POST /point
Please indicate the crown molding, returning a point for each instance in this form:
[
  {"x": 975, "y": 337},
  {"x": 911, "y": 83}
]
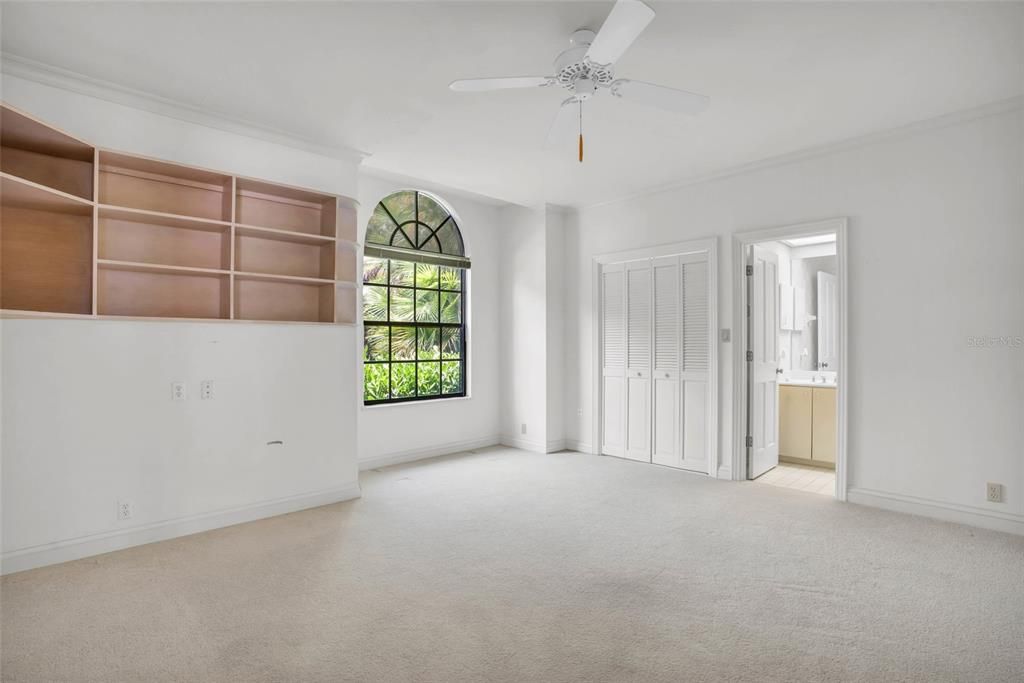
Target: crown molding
[
  {"x": 814, "y": 152},
  {"x": 64, "y": 79}
]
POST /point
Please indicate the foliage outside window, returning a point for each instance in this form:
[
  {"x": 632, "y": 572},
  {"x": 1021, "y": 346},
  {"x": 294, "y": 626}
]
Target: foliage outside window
[{"x": 414, "y": 345}]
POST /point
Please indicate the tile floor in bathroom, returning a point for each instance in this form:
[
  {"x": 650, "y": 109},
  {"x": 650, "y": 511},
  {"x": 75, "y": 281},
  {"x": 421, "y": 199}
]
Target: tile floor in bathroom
[{"x": 792, "y": 476}]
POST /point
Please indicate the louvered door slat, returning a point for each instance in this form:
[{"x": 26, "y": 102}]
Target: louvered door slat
[
  {"x": 639, "y": 317},
  {"x": 613, "y": 350},
  {"x": 666, "y": 316},
  {"x": 695, "y": 316},
  {"x": 614, "y": 341}
]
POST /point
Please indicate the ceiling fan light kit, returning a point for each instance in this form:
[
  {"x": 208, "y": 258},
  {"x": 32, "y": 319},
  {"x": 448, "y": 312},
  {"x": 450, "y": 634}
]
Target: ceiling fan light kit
[{"x": 588, "y": 66}]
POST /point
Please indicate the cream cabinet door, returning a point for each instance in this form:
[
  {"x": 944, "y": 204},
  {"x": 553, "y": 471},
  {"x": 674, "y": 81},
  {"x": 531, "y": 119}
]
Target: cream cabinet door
[
  {"x": 823, "y": 431},
  {"x": 795, "y": 422}
]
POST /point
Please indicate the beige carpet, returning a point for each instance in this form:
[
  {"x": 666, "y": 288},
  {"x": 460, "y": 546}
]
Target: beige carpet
[{"x": 508, "y": 566}]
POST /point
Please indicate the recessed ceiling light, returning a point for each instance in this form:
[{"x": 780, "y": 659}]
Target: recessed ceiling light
[{"x": 812, "y": 239}]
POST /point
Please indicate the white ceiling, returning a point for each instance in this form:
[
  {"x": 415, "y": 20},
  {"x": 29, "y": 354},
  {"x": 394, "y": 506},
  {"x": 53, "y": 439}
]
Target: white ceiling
[{"x": 374, "y": 75}]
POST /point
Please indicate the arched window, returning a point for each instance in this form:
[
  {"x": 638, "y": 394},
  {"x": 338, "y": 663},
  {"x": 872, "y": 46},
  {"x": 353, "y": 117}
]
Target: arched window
[{"x": 414, "y": 301}]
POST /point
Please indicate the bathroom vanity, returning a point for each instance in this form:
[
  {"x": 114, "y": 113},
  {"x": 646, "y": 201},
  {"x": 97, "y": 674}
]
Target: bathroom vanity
[{"x": 807, "y": 422}]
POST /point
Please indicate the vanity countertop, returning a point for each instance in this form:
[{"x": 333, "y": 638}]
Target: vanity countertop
[{"x": 800, "y": 382}]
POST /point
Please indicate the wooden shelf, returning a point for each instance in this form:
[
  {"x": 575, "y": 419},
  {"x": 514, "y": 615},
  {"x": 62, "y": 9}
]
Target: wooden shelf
[
  {"x": 171, "y": 220},
  {"x": 346, "y": 301},
  {"x": 39, "y": 153},
  {"x": 155, "y": 240},
  {"x": 144, "y": 290},
  {"x": 24, "y": 194},
  {"x": 273, "y": 299},
  {"x": 281, "y": 235},
  {"x": 283, "y": 208},
  {"x": 140, "y": 183},
  {"x": 348, "y": 221},
  {"x": 268, "y": 277},
  {"x": 277, "y": 257},
  {"x": 45, "y": 258},
  {"x": 138, "y": 267},
  {"x": 163, "y": 239}
]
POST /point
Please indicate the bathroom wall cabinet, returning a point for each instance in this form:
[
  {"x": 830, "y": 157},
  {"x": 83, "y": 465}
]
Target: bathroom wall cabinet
[
  {"x": 93, "y": 233},
  {"x": 807, "y": 424}
]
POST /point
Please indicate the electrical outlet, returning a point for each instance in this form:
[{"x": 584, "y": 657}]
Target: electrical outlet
[
  {"x": 206, "y": 389},
  {"x": 125, "y": 510},
  {"x": 178, "y": 391},
  {"x": 994, "y": 492},
  {"x": 579, "y": 412},
  {"x": 725, "y": 334},
  {"x": 522, "y": 428}
]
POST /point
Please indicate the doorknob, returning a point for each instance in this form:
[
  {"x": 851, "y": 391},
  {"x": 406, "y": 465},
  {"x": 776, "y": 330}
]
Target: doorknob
[
  {"x": 778, "y": 371},
  {"x": 666, "y": 375}
]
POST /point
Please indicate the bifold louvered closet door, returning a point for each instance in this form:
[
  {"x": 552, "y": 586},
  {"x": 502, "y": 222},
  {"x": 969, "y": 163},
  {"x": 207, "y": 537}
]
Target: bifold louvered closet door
[{"x": 655, "y": 343}]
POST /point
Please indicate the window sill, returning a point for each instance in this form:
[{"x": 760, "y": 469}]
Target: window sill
[{"x": 408, "y": 404}]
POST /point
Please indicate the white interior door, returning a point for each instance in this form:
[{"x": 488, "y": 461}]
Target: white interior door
[
  {"x": 613, "y": 351},
  {"x": 638, "y": 360},
  {"x": 666, "y": 446},
  {"x": 763, "y": 357},
  {"x": 828, "y": 326},
  {"x": 697, "y": 441}
]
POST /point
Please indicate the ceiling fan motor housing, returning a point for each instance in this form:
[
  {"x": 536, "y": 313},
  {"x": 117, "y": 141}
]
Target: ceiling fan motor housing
[{"x": 571, "y": 67}]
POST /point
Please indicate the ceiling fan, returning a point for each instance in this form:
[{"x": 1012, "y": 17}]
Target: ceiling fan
[{"x": 588, "y": 66}]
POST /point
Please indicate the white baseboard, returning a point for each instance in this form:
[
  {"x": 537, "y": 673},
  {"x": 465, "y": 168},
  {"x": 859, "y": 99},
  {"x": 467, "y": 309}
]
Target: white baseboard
[
  {"x": 724, "y": 472},
  {"x": 948, "y": 512},
  {"x": 579, "y": 446},
  {"x": 524, "y": 444},
  {"x": 399, "y": 457},
  {"x": 97, "y": 544},
  {"x": 555, "y": 445}
]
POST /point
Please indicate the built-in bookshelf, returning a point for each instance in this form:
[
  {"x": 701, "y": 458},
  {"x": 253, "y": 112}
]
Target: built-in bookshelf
[{"x": 88, "y": 232}]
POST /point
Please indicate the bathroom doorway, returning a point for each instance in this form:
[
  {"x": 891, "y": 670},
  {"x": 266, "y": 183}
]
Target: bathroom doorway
[{"x": 790, "y": 385}]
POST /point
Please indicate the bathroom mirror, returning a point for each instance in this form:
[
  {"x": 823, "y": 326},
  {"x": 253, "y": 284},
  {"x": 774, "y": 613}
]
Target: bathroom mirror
[{"x": 814, "y": 328}]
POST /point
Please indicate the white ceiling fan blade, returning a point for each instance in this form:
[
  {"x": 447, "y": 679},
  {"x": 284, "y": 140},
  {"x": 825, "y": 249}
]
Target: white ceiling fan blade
[
  {"x": 659, "y": 96},
  {"x": 485, "y": 84},
  {"x": 565, "y": 123},
  {"x": 624, "y": 24}
]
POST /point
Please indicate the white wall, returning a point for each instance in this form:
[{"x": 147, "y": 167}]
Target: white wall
[
  {"x": 524, "y": 327},
  {"x": 87, "y": 413},
  {"x": 396, "y": 433},
  {"x": 554, "y": 304},
  {"x": 935, "y": 245}
]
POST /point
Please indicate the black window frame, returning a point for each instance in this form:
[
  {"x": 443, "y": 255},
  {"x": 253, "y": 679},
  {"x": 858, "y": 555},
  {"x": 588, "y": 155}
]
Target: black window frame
[{"x": 417, "y": 325}]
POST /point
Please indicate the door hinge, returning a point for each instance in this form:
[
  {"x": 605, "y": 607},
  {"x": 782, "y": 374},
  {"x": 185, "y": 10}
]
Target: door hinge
[
  {"x": 750, "y": 356},
  {"x": 750, "y": 442},
  {"x": 750, "y": 270}
]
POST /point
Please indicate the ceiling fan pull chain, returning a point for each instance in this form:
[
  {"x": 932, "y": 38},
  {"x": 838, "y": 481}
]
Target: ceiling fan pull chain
[{"x": 581, "y": 132}]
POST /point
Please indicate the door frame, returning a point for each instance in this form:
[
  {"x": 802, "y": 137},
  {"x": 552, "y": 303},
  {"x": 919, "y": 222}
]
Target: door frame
[
  {"x": 708, "y": 245},
  {"x": 741, "y": 241}
]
